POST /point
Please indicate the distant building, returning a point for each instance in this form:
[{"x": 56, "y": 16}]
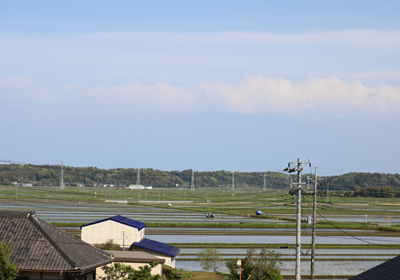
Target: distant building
[
  {"x": 158, "y": 249},
  {"x": 139, "y": 187},
  {"x": 123, "y": 231},
  {"x": 135, "y": 260},
  {"x": 130, "y": 234}
]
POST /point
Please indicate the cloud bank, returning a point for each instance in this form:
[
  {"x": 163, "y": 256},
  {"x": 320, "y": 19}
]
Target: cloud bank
[{"x": 253, "y": 95}]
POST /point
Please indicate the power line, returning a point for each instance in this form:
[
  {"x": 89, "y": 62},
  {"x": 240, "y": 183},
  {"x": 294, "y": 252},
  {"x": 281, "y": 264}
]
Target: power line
[
  {"x": 348, "y": 234},
  {"x": 13, "y": 162}
]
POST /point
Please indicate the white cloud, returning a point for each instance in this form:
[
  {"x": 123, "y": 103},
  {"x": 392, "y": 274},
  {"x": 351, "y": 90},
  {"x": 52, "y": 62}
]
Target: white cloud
[
  {"x": 260, "y": 94},
  {"x": 377, "y": 74},
  {"x": 22, "y": 89},
  {"x": 131, "y": 97},
  {"x": 123, "y": 41},
  {"x": 254, "y": 95},
  {"x": 352, "y": 37}
]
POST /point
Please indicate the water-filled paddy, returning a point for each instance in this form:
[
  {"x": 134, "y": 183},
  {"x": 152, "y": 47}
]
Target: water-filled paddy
[
  {"x": 256, "y": 239},
  {"x": 335, "y": 268},
  {"x": 85, "y": 213}
]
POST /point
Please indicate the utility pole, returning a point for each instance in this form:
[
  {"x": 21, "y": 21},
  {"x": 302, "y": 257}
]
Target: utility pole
[
  {"x": 313, "y": 227},
  {"x": 192, "y": 182},
  {"x": 62, "y": 176},
  {"x": 298, "y": 167},
  {"x": 123, "y": 241},
  {"x": 233, "y": 180}
]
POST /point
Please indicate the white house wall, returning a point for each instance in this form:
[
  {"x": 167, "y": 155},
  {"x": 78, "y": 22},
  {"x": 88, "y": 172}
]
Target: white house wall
[
  {"x": 170, "y": 261},
  {"x": 102, "y": 232}
]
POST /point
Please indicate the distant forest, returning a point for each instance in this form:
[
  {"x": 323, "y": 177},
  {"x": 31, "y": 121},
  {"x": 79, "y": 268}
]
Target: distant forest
[{"x": 49, "y": 175}]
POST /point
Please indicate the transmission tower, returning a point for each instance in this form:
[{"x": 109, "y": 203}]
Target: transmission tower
[
  {"x": 62, "y": 176},
  {"x": 233, "y": 180},
  {"x": 265, "y": 182},
  {"x": 297, "y": 167},
  {"x": 192, "y": 182},
  {"x": 138, "y": 177}
]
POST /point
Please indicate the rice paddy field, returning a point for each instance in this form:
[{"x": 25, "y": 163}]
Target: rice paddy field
[{"x": 353, "y": 233}]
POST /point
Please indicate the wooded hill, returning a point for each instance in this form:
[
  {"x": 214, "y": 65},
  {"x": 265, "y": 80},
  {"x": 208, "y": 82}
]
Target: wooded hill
[{"x": 49, "y": 175}]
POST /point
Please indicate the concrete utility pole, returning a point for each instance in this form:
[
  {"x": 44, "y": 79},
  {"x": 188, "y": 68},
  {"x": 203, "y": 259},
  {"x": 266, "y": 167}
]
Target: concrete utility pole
[
  {"x": 62, "y": 176},
  {"x": 313, "y": 227},
  {"x": 298, "y": 167},
  {"x": 192, "y": 182}
]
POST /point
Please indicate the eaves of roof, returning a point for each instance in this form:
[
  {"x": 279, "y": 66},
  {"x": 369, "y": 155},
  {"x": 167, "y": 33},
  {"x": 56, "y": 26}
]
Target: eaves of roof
[{"x": 122, "y": 220}]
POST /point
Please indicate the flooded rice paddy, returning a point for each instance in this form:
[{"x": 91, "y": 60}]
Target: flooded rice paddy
[
  {"x": 332, "y": 268},
  {"x": 328, "y": 261},
  {"x": 281, "y": 239}
]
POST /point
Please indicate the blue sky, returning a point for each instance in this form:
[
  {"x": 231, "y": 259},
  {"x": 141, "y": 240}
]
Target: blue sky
[{"x": 203, "y": 85}]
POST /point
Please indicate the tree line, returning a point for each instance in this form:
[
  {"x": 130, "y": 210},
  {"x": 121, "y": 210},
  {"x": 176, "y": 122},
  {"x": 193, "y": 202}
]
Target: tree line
[{"x": 49, "y": 175}]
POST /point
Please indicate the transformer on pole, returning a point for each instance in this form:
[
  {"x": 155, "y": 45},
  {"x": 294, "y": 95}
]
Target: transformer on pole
[{"x": 297, "y": 167}]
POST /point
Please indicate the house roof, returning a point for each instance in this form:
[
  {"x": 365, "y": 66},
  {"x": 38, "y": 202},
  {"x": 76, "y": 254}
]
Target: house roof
[
  {"x": 134, "y": 257},
  {"x": 389, "y": 270},
  {"x": 38, "y": 246},
  {"x": 156, "y": 246},
  {"x": 122, "y": 220}
]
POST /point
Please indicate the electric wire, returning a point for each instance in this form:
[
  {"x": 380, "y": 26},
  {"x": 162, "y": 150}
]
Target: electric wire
[{"x": 348, "y": 234}]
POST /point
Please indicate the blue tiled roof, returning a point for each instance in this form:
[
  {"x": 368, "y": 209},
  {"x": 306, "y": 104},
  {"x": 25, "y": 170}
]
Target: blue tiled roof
[
  {"x": 122, "y": 220},
  {"x": 156, "y": 246}
]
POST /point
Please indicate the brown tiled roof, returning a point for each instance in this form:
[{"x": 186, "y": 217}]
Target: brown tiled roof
[{"x": 38, "y": 246}]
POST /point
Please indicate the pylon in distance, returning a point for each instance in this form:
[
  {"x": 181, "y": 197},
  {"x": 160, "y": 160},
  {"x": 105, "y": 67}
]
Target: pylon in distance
[{"x": 192, "y": 182}]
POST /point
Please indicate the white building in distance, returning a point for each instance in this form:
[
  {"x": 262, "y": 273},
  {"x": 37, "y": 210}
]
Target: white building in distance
[
  {"x": 128, "y": 233},
  {"x": 139, "y": 187},
  {"x": 123, "y": 231}
]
